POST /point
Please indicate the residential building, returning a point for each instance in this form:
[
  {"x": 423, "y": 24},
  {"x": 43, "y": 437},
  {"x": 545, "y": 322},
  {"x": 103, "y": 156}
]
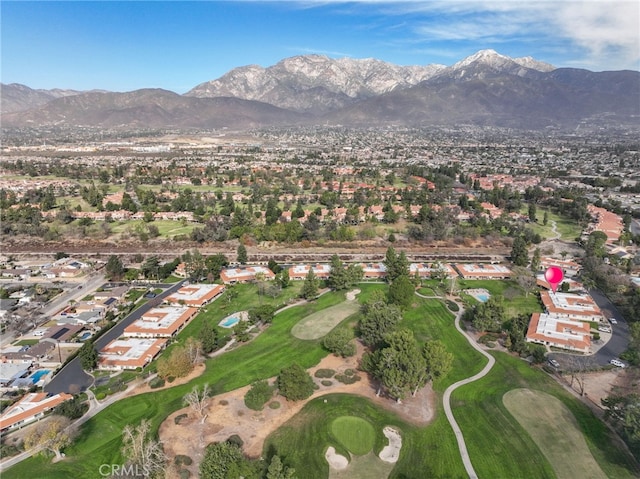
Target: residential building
[
  {"x": 130, "y": 353},
  {"x": 552, "y": 330},
  {"x": 300, "y": 271},
  {"x": 374, "y": 270},
  {"x": 162, "y": 322},
  {"x": 31, "y": 407},
  {"x": 246, "y": 274},
  {"x": 483, "y": 271},
  {"x": 424, "y": 270},
  {"x": 578, "y": 307},
  {"x": 196, "y": 295}
]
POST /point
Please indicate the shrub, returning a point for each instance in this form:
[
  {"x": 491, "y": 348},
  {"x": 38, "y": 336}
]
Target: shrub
[
  {"x": 344, "y": 379},
  {"x": 274, "y": 405},
  {"x": 184, "y": 473},
  {"x": 452, "y": 306},
  {"x": 326, "y": 382},
  {"x": 101, "y": 395},
  {"x": 235, "y": 439},
  {"x": 349, "y": 372},
  {"x": 258, "y": 395},
  {"x": 223, "y": 402},
  {"x": 182, "y": 460},
  {"x": 324, "y": 373},
  {"x": 156, "y": 382},
  {"x": 179, "y": 418}
]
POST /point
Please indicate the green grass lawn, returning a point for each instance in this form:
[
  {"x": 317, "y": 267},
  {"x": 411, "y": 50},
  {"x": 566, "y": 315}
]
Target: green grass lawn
[
  {"x": 568, "y": 228},
  {"x": 355, "y": 434},
  {"x": 500, "y": 447},
  {"x": 555, "y": 431},
  {"x": 166, "y": 228}
]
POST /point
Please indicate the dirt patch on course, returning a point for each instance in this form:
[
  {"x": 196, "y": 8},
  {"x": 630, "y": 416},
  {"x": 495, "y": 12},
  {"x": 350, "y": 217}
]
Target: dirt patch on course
[
  {"x": 227, "y": 415},
  {"x": 555, "y": 431}
]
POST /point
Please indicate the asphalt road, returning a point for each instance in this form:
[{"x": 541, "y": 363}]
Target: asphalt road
[
  {"x": 618, "y": 343},
  {"x": 72, "y": 378}
]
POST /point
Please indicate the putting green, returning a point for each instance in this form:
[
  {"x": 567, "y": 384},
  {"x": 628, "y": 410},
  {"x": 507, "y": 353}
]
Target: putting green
[
  {"x": 318, "y": 324},
  {"x": 355, "y": 434},
  {"x": 555, "y": 431}
]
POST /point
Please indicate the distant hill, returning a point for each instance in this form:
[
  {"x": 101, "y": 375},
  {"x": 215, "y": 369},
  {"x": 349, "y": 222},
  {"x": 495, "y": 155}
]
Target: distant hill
[{"x": 485, "y": 89}]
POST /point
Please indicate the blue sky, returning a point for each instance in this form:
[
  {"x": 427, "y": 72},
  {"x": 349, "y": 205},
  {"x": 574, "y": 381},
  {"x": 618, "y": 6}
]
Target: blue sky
[{"x": 124, "y": 46}]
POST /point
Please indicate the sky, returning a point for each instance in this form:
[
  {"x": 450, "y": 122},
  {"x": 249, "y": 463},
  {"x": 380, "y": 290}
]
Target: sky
[{"x": 124, "y": 46}]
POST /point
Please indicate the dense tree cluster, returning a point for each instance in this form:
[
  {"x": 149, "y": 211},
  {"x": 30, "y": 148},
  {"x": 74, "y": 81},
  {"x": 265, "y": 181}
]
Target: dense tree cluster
[{"x": 294, "y": 383}]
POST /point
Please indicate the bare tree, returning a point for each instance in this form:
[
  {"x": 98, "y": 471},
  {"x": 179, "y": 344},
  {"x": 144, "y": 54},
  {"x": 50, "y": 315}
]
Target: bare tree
[
  {"x": 143, "y": 451},
  {"x": 54, "y": 434},
  {"x": 198, "y": 400},
  {"x": 578, "y": 366},
  {"x": 194, "y": 349}
]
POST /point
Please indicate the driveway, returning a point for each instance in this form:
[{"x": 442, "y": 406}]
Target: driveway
[{"x": 72, "y": 378}]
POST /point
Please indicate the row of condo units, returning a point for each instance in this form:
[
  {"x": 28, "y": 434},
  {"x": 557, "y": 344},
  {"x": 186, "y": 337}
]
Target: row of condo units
[
  {"x": 566, "y": 321},
  {"x": 62, "y": 268}
]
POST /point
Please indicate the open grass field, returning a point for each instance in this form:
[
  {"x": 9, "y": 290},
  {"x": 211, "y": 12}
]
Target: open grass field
[
  {"x": 363, "y": 467},
  {"x": 317, "y": 325},
  {"x": 499, "y": 446},
  {"x": 166, "y": 228},
  {"x": 568, "y": 228},
  {"x": 354, "y": 434},
  {"x": 555, "y": 431}
]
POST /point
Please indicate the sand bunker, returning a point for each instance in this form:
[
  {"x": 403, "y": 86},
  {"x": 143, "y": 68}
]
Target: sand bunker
[
  {"x": 336, "y": 461},
  {"x": 391, "y": 453}
]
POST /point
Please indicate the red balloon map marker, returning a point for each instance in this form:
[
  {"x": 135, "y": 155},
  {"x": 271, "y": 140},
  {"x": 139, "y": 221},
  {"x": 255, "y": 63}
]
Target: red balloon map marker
[{"x": 554, "y": 276}]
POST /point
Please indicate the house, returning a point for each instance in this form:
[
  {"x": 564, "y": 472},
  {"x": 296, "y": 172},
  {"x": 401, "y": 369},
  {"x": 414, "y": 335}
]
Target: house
[
  {"x": 11, "y": 371},
  {"x": 196, "y": 295},
  {"x": 483, "y": 271},
  {"x": 31, "y": 407},
  {"x": 300, "y": 271},
  {"x": 577, "y": 307},
  {"x": 552, "y": 330},
  {"x": 374, "y": 270},
  {"x": 246, "y": 274},
  {"x": 424, "y": 270},
  {"x": 130, "y": 353},
  {"x": 161, "y": 322}
]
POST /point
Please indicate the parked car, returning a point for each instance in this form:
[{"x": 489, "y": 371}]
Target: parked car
[
  {"x": 604, "y": 329},
  {"x": 554, "y": 363},
  {"x": 613, "y": 321},
  {"x": 617, "y": 362}
]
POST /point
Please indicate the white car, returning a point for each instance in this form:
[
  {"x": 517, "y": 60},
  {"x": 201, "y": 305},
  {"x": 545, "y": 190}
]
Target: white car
[
  {"x": 613, "y": 321},
  {"x": 554, "y": 363},
  {"x": 617, "y": 362},
  {"x": 604, "y": 329}
]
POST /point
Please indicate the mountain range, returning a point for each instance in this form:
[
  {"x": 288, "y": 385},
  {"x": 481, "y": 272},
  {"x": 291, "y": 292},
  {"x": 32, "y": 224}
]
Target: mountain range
[{"x": 485, "y": 89}]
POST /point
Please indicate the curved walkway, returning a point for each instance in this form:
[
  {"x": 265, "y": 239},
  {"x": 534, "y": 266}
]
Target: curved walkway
[{"x": 446, "y": 399}]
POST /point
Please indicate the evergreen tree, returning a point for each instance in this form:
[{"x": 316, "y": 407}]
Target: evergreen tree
[
  {"x": 401, "y": 292},
  {"x": 114, "y": 268},
  {"x": 519, "y": 255},
  {"x": 88, "y": 356},
  {"x": 310, "y": 286},
  {"x": 535, "y": 261},
  {"x": 338, "y": 275},
  {"x": 241, "y": 254}
]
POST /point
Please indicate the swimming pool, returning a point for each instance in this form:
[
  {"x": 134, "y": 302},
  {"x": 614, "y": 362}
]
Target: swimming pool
[
  {"x": 229, "y": 322},
  {"x": 85, "y": 336},
  {"x": 482, "y": 297},
  {"x": 35, "y": 377}
]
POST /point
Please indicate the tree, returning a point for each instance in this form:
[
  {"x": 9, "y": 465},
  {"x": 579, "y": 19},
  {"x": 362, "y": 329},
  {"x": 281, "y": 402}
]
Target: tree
[
  {"x": 519, "y": 255},
  {"x": 401, "y": 292},
  {"x": 535, "y": 261},
  {"x": 337, "y": 276},
  {"x": 114, "y": 268},
  {"x": 532, "y": 212},
  {"x": 263, "y": 314},
  {"x": 177, "y": 364},
  {"x": 197, "y": 400},
  {"x": 338, "y": 341},
  {"x": 545, "y": 218},
  {"x": 525, "y": 279},
  {"x": 241, "y": 254},
  {"x": 437, "y": 359},
  {"x": 142, "y": 451},
  {"x": 310, "y": 286},
  {"x": 224, "y": 460},
  {"x": 489, "y": 316},
  {"x": 295, "y": 383},
  {"x": 88, "y": 356},
  {"x": 438, "y": 272},
  {"x": 54, "y": 434},
  {"x": 379, "y": 318},
  {"x": 73, "y": 408},
  {"x": 277, "y": 470},
  {"x": 401, "y": 367},
  {"x": 215, "y": 264},
  {"x": 625, "y": 410},
  {"x": 208, "y": 338},
  {"x": 396, "y": 264},
  {"x": 194, "y": 264}
]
